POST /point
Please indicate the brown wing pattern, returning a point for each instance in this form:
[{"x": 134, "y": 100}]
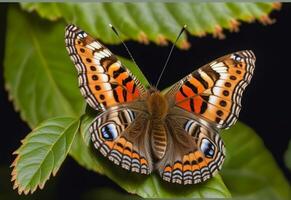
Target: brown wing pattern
[
  {"x": 214, "y": 91},
  {"x": 120, "y": 134},
  {"x": 103, "y": 80},
  {"x": 195, "y": 151}
]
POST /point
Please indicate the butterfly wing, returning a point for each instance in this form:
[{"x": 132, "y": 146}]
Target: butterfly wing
[
  {"x": 120, "y": 131},
  {"x": 200, "y": 104},
  {"x": 195, "y": 151},
  {"x": 121, "y": 134},
  {"x": 103, "y": 80},
  {"x": 214, "y": 91}
]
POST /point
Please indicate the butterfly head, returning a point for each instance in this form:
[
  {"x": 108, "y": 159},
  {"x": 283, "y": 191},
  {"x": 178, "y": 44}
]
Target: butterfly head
[{"x": 152, "y": 89}]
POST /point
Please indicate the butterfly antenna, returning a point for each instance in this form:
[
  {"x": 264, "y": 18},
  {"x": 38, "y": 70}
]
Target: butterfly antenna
[
  {"x": 168, "y": 58},
  {"x": 117, "y": 34}
]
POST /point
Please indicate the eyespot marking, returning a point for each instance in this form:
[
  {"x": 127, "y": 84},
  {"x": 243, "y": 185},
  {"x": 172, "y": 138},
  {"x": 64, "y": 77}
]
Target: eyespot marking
[
  {"x": 109, "y": 131},
  {"x": 207, "y": 147}
]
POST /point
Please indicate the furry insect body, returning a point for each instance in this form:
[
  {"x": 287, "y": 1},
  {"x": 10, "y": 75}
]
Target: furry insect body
[{"x": 157, "y": 106}]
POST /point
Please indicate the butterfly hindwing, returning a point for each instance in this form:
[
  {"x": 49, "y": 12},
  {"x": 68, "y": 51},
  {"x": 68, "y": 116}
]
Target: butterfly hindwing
[
  {"x": 214, "y": 91},
  {"x": 120, "y": 134},
  {"x": 103, "y": 80},
  {"x": 195, "y": 151}
]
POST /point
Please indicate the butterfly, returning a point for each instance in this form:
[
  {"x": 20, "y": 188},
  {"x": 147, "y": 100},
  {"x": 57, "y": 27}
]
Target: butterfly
[{"x": 142, "y": 129}]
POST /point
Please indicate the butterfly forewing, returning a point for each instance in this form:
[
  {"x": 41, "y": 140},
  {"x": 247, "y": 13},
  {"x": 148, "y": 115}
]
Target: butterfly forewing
[
  {"x": 103, "y": 80},
  {"x": 214, "y": 91}
]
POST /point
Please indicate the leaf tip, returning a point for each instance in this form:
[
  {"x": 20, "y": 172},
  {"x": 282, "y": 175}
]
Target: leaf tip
[
  {"x": 161, "y": 40},
  {"x": 26, "y": 191},
  {"x": 33, "y": 190},
  {"x": 18, "y": 187},
  {"x": 13, "y": 178},
  {"x": 142, "y": 38},
  {"x": 14, "y": 185},
  {"x": 13, "y": 164},
  {"x": 54, "y": 172},
  {"x": 184, "y": 44},
  {"x": 266, "y": 20},
  {"x": 218, "y": 32},
  {"x": 41, "y": 185},
  {"x": 234, "y": 25},
  {"x": 277, "y": 5}
]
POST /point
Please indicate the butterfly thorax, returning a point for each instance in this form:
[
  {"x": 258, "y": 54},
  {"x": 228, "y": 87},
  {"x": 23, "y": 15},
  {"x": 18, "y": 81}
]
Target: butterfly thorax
[{"x": 157, "y": 106}]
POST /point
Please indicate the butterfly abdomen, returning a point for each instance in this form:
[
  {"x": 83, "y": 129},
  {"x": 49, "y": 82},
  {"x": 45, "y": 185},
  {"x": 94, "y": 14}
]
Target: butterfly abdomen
[{"x": 158, "y": 138}]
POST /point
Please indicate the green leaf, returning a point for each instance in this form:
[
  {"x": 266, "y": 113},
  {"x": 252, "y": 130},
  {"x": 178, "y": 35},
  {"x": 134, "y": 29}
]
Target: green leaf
[
  {"x": 42, "y": 153},
  {"x": 38, "y": 73},
  {"x": 249, "y": 169},
  {"x": 146, "y": 186},
  {"x": 41, "y": 79},
  {"x": 156, "y": 22},
  {"x": 287, "y": 156},
  {"x": 79, "y": 151},
  {"x": 135, "y": 70}
]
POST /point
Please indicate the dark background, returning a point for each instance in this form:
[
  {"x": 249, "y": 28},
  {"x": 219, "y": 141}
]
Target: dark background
[{"x": 266, "y": 102}]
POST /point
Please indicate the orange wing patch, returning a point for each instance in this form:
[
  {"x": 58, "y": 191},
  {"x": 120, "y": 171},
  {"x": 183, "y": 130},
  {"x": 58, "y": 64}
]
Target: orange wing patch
[
  {"x": 192, "y": 169},
  {"x": 103, "y": 80},
  {"x": 214, "y": 91}
]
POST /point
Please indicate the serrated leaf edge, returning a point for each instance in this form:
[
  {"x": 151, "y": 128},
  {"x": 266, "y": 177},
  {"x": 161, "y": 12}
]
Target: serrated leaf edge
[
  {"x": 163, "y": 40},
  {"x": 54, "y": 171}
]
